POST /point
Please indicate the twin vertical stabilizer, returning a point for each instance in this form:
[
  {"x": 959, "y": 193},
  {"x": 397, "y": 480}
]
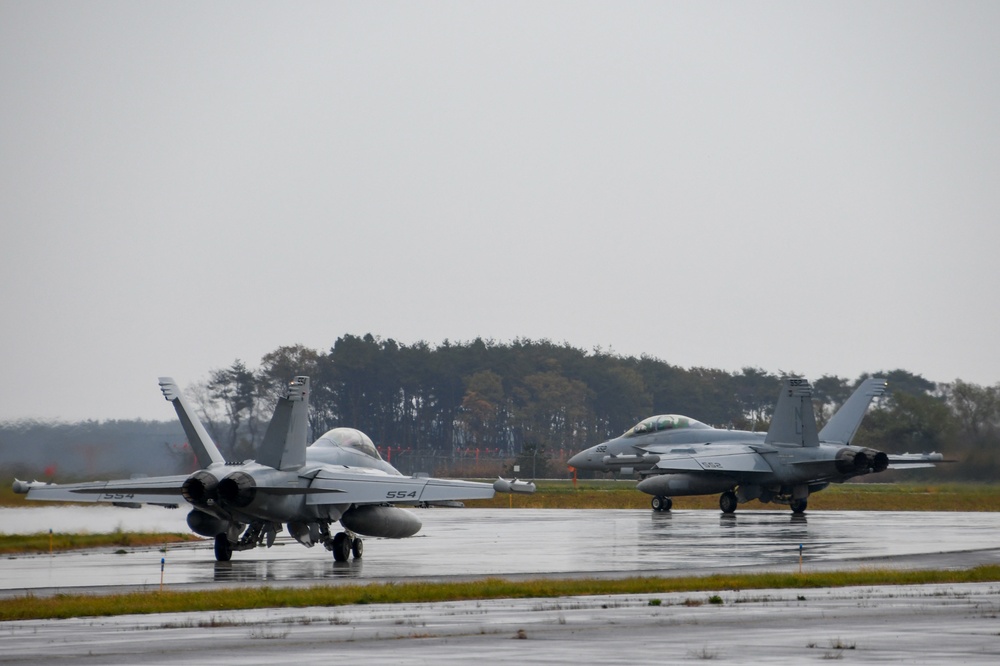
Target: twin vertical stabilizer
[
  {"x": 201, "y": 443},
  {"x": 284, "y": 445},
  {"x": 842, "y": 425},
  {"x": 794, "y": 421}
]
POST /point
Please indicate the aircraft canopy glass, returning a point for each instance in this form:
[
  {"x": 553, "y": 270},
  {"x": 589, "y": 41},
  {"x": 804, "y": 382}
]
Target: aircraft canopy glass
[
  {"x": 351, "y": 439},
  {"x": 664, "y": 422}
]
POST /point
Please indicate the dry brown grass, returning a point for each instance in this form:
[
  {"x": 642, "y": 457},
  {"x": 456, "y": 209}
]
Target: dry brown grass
[{"x": 43, "y": 542}]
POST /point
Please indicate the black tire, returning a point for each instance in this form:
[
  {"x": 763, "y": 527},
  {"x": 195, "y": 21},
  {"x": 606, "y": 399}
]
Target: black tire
[
  {"x": 727, "y": 502},
  {"x": 357, "y": 548},
  {"x": 799, "y": 506},
  {"x": 223, "y": 549},
  {"x": 661, "y": 503},
  {"x": 341, "y": 547}
]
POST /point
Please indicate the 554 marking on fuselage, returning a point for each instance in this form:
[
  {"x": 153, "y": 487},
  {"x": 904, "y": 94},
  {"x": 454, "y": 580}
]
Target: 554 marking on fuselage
[{"x": 306, "y": 489}]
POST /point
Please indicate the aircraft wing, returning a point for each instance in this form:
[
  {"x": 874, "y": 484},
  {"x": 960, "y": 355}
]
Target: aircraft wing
[
  {"x": 163, "y": 490},
  {"x": 915, "y": 460},
  {"x": 718, "y": 458},
  {"x": 355, "y": 485}
]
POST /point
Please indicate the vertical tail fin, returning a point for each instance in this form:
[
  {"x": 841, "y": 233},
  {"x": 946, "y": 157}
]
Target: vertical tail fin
[
  {"x": 284, "y": 445},
  {"x": 794, "y": 421},
  {"x": 842, "y": 425},
  {"x": 204, "y": 448}
]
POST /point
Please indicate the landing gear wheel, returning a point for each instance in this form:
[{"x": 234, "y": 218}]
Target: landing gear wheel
[
  {"x": 341, "y": 547},
  {"x": 223, "y": 549},
  {"x": 357, "y": 548},
  {"x": 727, "y": 502},
  {"x": 661, "y": 503},
  {"x": 799, "y": 506}
]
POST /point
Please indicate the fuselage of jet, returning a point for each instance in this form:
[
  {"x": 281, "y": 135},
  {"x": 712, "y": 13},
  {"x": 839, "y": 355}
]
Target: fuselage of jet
[{"x": 676, "y": 455}]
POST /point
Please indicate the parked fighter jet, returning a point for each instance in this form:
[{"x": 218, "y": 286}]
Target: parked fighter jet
[
  {"x": 676, "y": 455},
  {"x": 340, "y": 477}
]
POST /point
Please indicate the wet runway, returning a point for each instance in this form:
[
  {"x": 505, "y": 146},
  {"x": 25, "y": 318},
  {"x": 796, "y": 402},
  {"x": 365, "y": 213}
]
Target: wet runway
[
  {"x": 917, "y": 624},
  {"x": 512, "y": 542},
  {"x": 926, "y": 624}
]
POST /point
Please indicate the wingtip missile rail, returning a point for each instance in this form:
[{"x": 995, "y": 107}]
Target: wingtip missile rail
[{"x": 502, "y": 485}]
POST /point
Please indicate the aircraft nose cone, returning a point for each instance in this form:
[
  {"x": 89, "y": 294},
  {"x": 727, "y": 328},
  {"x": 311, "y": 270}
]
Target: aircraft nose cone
[{"x": 578, "y": 460}]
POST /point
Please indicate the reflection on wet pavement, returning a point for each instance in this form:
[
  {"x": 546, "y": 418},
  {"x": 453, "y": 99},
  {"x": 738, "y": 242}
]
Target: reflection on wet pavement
[{"x": 477, "y": 542}]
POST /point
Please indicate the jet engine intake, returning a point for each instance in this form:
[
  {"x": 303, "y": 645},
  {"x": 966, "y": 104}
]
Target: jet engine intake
[
  {"x": 205, "y": 524},
  {"x": 238, "y": 489},
  {"x": 389, "y": 522},
  {"x": 200, "y": 487}
]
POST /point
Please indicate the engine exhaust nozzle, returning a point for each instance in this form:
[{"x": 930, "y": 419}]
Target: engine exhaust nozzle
[{"x": 238, "y": 489}]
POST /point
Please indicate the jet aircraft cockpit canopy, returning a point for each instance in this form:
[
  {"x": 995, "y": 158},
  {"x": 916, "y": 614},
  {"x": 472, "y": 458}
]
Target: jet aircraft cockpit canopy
[
  {"x": 351, "y": 439},
  {"x": 662, "y": 423}
]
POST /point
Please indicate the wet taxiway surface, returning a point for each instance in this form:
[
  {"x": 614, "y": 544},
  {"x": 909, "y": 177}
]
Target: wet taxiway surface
[
  {"x": 522, "y": 542},
  {"x": 929, "y": 624}
]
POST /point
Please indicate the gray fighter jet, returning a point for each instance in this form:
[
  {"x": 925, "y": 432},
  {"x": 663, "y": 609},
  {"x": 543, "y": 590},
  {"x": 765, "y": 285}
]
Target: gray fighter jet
[
  {"x": 676, "y": 455},
  {"x": 340, "y": 477}
]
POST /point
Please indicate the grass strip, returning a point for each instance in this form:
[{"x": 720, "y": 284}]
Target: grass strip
[
  {"x": 154, "y": 601},
  {"x": 838, "y": 497},
  {"x": 43, "y": 542}
]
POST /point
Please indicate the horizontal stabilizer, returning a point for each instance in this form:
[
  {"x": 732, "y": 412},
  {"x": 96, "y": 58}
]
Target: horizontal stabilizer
[{"x": 152, "y": 490}]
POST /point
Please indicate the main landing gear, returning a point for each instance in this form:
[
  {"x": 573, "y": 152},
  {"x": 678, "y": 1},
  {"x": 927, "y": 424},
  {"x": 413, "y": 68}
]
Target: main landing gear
[
  {"x": 258, "y": 532},
  {"x": 727, "y": 502},
  {"x": 661, "y": 503},
  {"x": 223, "y": 549},
  {"x": 342, "y": 544}
]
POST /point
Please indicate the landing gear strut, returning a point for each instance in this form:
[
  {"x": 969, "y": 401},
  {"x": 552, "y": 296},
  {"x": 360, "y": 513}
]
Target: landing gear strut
[
  {"x": 257, "y": 533},
  {"x": 661, "y": 503}
]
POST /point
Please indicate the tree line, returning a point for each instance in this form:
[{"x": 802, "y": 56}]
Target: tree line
[{"x": 539, "y": 401}]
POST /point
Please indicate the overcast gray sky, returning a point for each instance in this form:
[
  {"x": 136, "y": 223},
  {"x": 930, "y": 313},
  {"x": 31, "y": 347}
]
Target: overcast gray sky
[{"x": 809, "y": 187}]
